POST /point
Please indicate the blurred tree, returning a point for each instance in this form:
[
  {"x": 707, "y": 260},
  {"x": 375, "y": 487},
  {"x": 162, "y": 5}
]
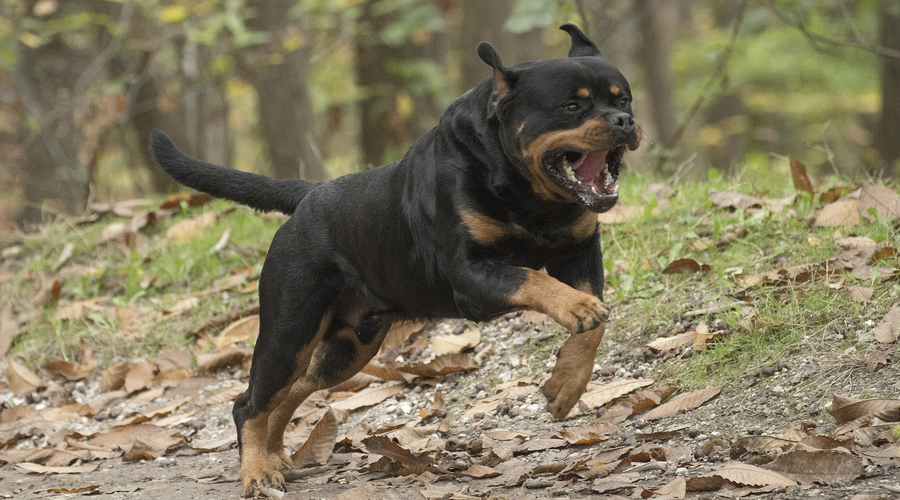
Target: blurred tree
[
  {"x": 400, "y": 52},
  {"x": 52, "y": 75},
  {"x": 278, "y": 68},
  {"x": 485, "y": 21},
  {"x": 887, "y": 134},
  {"x": 657, "y": 20}
]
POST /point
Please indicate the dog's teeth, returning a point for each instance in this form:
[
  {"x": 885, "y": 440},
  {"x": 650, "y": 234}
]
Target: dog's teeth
[{"x": 594, "y": 190}]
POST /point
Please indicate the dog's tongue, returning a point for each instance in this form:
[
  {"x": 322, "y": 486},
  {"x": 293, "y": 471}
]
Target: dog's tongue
[{"x": 589, "y": 170}]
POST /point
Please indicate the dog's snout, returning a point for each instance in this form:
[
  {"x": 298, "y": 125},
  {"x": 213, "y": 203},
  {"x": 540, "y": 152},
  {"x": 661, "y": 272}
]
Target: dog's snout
[{"x": 622, "y": 120}]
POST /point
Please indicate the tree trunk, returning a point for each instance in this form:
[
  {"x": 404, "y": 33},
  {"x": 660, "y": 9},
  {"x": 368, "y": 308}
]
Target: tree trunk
[
  {"x": 483, "y": 21},
  {"x": 55, "y": 163},
  {"x": 279, "y": 76},
  {"x": 657, "y": 24},
  {"x": 887, "y": 135}
]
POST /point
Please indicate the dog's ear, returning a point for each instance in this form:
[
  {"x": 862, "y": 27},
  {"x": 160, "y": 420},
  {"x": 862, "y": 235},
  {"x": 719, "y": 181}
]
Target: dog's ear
[
  {"x": 504, "y": 78},
  {"x": 581, "y": 44}
]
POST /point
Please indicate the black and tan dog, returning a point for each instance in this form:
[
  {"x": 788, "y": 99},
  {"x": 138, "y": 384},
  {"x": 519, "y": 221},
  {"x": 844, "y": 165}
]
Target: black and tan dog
[{"x": 508, "y": 183}]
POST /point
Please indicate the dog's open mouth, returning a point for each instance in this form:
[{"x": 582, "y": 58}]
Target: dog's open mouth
[{"x": 589, "y": 176}]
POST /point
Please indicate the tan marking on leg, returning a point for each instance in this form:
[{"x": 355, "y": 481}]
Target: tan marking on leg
[
  {"x": 256, "y": 468},
  {"x": 584, "y": 92},
  {"x": 575, "y": 310},
  {"x": 279, "y": 419},
  {"x": 485, "y": 230},
  {"x": 615, "y": 90},
  {"x": 572, "y": 371}
]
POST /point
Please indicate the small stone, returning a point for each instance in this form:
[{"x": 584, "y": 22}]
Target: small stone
[
  {"x": 693, "y": 433},
  {"x": 781, "y": 366},
  {"x": 503, "y": 409},
  {"x": 689, "y": 353},
  {"x": 681, "y": 471},
  {"x": 390, "y": 408},
  {"x": 406, "y": 408},
  {"x": 475, "y": 447},
  {"x": 515, "y": 412},
  {"x": 196, "y": 423},
  {"x": 400, "y": 397},
  {"x": 601, "y": 411},
  {"x": 752, "y": 374},
  {"x": 441, "y": 414},
  {"x": 474, "y": 395},
  {"x": 460, "y": 328},
  {"x": 164, "y": 461},
  {"x": 477, "y": 349},
  {"x": 637, "y": 373},
  {"x": 520, "y": 398},
  {"x": 478, "y": 416},
  {"x": 778, "y": 390},
  {"x": 813, "y": 409},
  {"x": 512, "y": 314},
  {"x": 479, "y": 386},
  {"x": 454, "y": 445},
  {"x": 768, "y": 371},
  {"x": 710, "y": 368},
  {"x": 808, "y": 424},
  {"x": 516, "y": 326},
  {"x": 750, "y": 382},
  {"x": 606, "y": 372},
  {"x": 486, "y": 425},
  {"x": 698, "y": 454}
]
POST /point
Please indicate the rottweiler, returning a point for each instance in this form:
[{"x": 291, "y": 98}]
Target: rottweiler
[{"x": 493, "y": 210}]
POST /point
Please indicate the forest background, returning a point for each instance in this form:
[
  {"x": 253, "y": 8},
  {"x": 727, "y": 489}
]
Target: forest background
[{"x": 320, "y": 88}]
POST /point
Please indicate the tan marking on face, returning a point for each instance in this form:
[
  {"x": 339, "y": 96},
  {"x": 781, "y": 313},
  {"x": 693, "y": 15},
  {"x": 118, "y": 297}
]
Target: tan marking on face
[
  {"x": 521, "y": 128},
  {"x": 593, "y": 135},
  {"x": 615, "y": 90},
  {"x": 485, "y": 230},
  {"x": 584, "y": 92},
  {"x": 638, "y": 134}
]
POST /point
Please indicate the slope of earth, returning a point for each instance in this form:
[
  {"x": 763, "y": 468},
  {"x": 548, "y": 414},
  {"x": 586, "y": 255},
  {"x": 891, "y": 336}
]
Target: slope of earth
[{"x": 752, "y": 351}]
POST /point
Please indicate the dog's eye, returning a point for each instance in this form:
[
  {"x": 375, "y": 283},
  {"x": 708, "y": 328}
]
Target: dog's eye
[
  {"x": 572, "y": 106},
  {"x": 623, "y": 102}
]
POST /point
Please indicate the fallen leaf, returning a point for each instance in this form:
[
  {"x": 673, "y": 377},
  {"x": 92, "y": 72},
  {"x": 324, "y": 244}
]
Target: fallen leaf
[
  {"x": 686, "y": 266},
  {"x": 843, "y": 213},
  {"x": 683, "y": 402},
  {"x": 22, "y": 381},
  {"x": 587, "y": 434},
  {"x": 538, "y": 445},
  {"x": 888, "y": 329},
  {"x": 729, "y": 199},
  {"x": 444, "y": 344},
  {"x": 170, "y": 359},
  {"x": 225, "y": 396},
  {"x": 620, "y": 213},
  {"x": 741, "y": 474},
  {"x": 860, "y": 293},
  {"x": 210, "y": 363},
  {"x": 507, "y": 435},
  {"x": 398, "y": 334},
  {"x": 114, "y": 377},
  {"x": 140, "y": 376},
  {"x": 800, "y": 177},
  {"x": 47, "y": 469},
  {"x": 382, "y": 445},
  {"x": 480, "y": 472},
  {"x": 673, "y": 490},
  {"x": 600, "y": 394},
  {"x": 369, "y": 397},
  {"x": 884, "y": 200},
  {"x": 669, "y": 343},
  {"x": 124, "y": 437},
  {"x": 441, "y": 365},
  {"x": 174, "y": 200},
  {"x": 182, "y": 306},
  {"x": 819, "y": 466},
  {"x": 9, "y": 328},
  {"x": 187, "y": 229},
  {"x": 845, "y": 409},
  {"x": 875, "y": 359},
  {"x": 319, "y": 445},
  {"x": 243, "y": 330}
]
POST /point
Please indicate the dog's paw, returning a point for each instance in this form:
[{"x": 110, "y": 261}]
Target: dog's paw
[
  {"x": 565, "y": 388},
  {"x": 256, "y": 478},
  {"x": 280, "y": 460},
  {"x": 582, "y": 314}
]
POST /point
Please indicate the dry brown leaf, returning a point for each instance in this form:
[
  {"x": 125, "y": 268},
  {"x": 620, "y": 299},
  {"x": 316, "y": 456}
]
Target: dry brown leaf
[
  {"x": 490, "y": 404},
  {"x": 170, "y": 359},
  {"x": 855, "y": 242},
  {"x": 749, "y": 475},
  {"x": 441, "y": 365},
  {"x": 182, "y": 306},
  {"x": 210, "y": 363},
  {"x": 841, "y": 213},
  {"x": 244, "y": 330},
  {"x": 77, "y": 310},
  {"x": 673, "y": 490},
  {"x": 225, "y": 396},
  {"x": 9, "y": 328},
  {"x": 445, "y": 344},
  {"x": 22, "y": 381},
  {"x": 686, "y": 266},
  {"x": 398, "y": 334},
  {"x": 60, "y": 368},
  {"x": 140, "y": 376},
  {"x": 369, "y": 397},
  {"x": 683, "y": 402},
  {"x": 48, "y": 469},
  {"x": 729, "y": 199},
  {"x": 884, "y": 200},
  {"x": 845, "y": 409},
  {"x": 587, "y": 434},
  {"x": 876, "y": 359},
  {"x": 669, "y": 343},
  {"x": 507, "y": 435},
  {"x": 480, "y": 472},
  {"x": 114, "y": 377},
  {"x": 174, "y": 200},
  {"x": 819, "y": 466},
  {"x": 888, "y": 329},
  {"x": 800, "y": 177},
  {"x": 538, "y": 445},
  {"x": 860, "y": 293},
  {"x": 187, "y": 229},
  {"x": 386, "y": 373},
  {"x": 126, "y": 436},
  {"x": 320, "y": 443},
  {"x": 600, "y": 394},
  {"x": 382, "y": 445},
  {"x": 620, "y": 213}
]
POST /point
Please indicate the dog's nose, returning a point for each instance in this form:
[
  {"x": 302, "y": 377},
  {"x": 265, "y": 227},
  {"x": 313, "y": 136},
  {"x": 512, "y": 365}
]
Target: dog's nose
[{"x": 622, "y": 120}]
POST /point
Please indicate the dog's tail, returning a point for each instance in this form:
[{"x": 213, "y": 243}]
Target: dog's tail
[{"x": 256, "y": 191}]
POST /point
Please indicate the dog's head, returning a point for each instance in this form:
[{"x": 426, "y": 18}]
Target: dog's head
[{"x": 565, "y": 122}]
